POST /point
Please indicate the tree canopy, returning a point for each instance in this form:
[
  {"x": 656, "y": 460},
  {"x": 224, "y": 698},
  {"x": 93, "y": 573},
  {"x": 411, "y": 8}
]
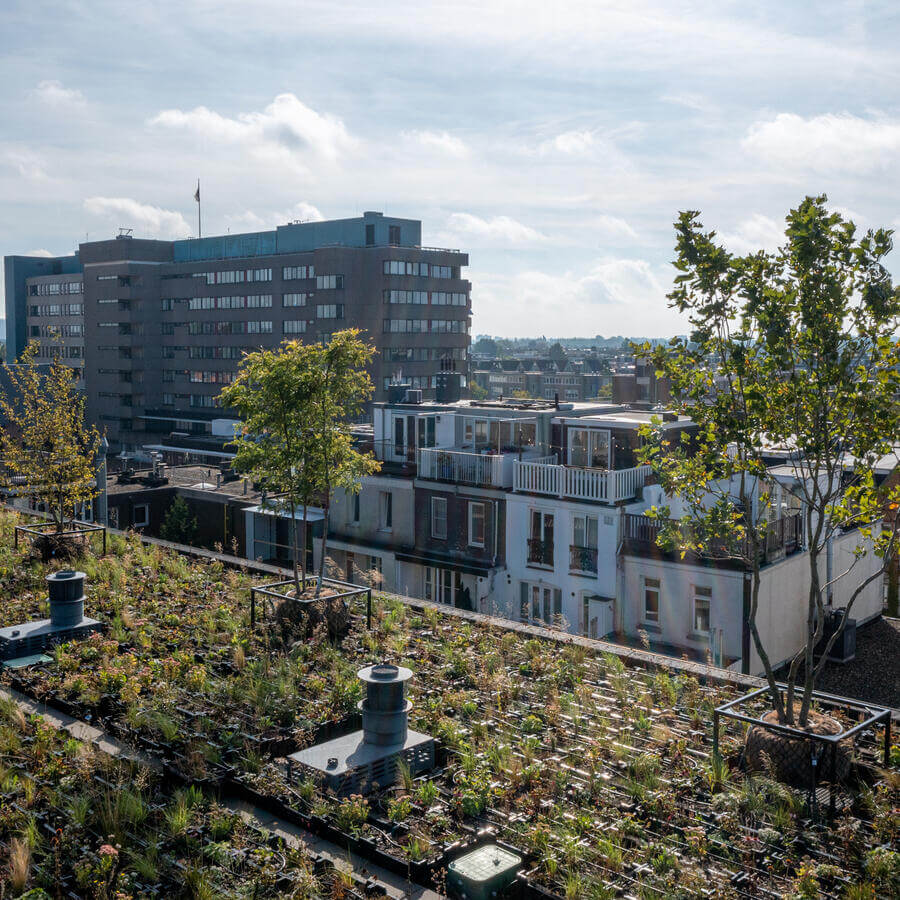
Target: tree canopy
[
  {"x": 48, "y": 451},
  {"x": 795, "y": 348}
]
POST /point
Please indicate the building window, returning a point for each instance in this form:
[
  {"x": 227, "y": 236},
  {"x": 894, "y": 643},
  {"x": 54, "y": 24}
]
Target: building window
[
  {"x": 386, "y": 510},
  {"x": 439, "y": 518},
  {"x": 700, "y": 609},
  {"x": 330, "y": 311},
  {"x": 291, "y": 273},
  {"x": 540, "y": 544},
  {"x": 441, "y": 585},
  {"x": 651, "y": 601},
  {"x": 476, "y": 524},
  {"x": 329, "y": 282},
  {"x": 293, "y": 326},
  {"x": 584, "y": 544},
  {"x": 141, "y": 515},
  {"x": 394, "y": 234},
  {"x": 355, "y": 508},
  {"x": 293, "y": 299},
  {"x": 540, "y": 604},
  {"x": 370, "y": 235}
]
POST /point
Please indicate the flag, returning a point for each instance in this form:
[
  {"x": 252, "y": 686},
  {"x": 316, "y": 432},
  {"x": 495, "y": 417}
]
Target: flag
[{"x": 197, "y": 193}]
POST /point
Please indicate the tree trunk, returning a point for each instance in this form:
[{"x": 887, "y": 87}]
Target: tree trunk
[
  {"x": 326, "y": 511},
  {"x": 295, "y": 548}
]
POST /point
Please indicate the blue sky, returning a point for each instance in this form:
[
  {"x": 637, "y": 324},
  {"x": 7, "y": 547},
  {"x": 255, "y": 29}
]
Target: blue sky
[{"x": 555, "y": 142}]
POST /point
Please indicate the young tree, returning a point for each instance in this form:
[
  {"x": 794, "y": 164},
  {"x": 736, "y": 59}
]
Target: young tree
[
  {"x": 798, "y": 347},
  {"x": 342, "y": 387},
  {"x": 46, "y": 449},
  {"x": 273, "y": 394},
  {"x": 179, "y": 526}
]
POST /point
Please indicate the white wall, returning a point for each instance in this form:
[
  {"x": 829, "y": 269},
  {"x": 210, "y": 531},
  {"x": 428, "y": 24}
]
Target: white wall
[
  {"x": 573, "y": 586},
  {"x": 677, "y": 581}
]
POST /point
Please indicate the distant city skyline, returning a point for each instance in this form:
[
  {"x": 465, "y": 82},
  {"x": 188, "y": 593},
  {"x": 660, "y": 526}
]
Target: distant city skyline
[{"x": 555, "y": 144}]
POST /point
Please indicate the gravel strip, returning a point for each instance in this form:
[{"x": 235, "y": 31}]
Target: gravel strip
[{"x": 874, "y": 675}]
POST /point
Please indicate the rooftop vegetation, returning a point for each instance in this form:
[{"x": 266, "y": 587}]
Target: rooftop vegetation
[{"x": 601, "y": 774}]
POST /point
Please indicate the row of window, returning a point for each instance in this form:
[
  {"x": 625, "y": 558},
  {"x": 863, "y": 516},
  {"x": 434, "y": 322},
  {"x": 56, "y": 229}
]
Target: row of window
[
  {"x": 57, "y": 330},
  {"x": 422, "y": 326},
  {"x": 292, "y": 273},
  {"x": 701, "y": 599},
  {"x": 54, "y": 351},
  {"x": 422, "y": 269},
  {"x": 436, "y": 298},
  {"x": 56, "y": 309},
  {"x": 252, "y": 301},
  {"x": 123, "y": 280},
  {"x": 203, "y": 401},
  {"x": 235, "y": 276},
  {"x": 330, "y": 282},
  {"x": 417, "y": 381},
  {"x": 220, "y": 352},
  {"x": 475, "y": 517},
  {"x": 423, "y": 354},
  {"x": 214, "y": 377},
  {"x": 51, "y": 289},
  {"x": 237, "y": 327}
]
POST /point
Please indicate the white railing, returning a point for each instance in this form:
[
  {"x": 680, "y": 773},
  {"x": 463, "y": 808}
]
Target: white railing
[
  {"x": 537, "y": 478},
  {"x": 461, "y": 467},
  {"x": 579, "y": 483}
]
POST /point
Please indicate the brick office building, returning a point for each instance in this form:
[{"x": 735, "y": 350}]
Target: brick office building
[{"x": 158, "y": 327}]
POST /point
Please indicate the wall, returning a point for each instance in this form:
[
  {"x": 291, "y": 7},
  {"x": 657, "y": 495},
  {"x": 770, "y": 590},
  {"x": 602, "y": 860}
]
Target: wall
[
  {"x": 573, "y": 586},
  {"x": 677, "y": 581}
]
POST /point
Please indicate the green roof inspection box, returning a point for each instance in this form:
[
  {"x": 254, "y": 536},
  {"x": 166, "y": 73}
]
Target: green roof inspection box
[{"x": 482, "y": 873}]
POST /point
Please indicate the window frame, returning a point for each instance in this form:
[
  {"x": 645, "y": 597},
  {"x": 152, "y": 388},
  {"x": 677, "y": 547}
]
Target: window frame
[
  {"x": 434, "y": 534},
  {"x": 472, "y": 505},
  {"x": 146, "y": 516},
  {"x": 703, "y": 594},
  {"x": 651, "y": 585}
]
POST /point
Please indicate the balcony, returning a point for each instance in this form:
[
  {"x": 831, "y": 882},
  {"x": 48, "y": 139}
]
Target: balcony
[
  {"x": 783, "y": 538},
  {"x": 464, "y": 467},
  {"x": 583, "y": 559},
  {"x": 540, "y": 553},
  {"x": 579, "y": 483}
]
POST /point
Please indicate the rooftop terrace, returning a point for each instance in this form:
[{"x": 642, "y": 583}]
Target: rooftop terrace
[{"x": 596, "y": 767}]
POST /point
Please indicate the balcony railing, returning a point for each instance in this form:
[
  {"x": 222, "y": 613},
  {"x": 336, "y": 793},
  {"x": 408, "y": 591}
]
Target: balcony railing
[
  {"x": 540, "y": 552},
  {"x": 783, "y": 537},
  {"x": 465, "y": 467},
  {"x": 583, "y": 559},
  {"x": 459, "y": 467},
  {"x": 579, "y": 483}
]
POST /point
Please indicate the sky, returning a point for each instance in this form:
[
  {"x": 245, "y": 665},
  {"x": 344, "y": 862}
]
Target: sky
[{"x": 555, "y": 142}]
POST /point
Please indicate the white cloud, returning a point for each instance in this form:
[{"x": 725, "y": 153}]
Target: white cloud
[
  {"x": 571, "y": 143},
  {"x": 54, "y": 93},
  {"x": 614, "y": 296},
  {"x": 26, "y": 162},
  {"x": 612, "y": 228},
  {"x": 253, "y": 221},
  {"x": 497, "y": 230},
  {"x": 40, "y": 252},
  {"x": 442, "y": 141},
  {"x": 152, "y": 220},
  {"x": 758, "y": 232},
  {"x": 826, "y": 143},
  {"x": 286, "y": 129}
]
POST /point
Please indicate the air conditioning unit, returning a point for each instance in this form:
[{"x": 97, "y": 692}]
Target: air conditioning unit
[
  {"x": 844, "y": 649},
  {"x": 413, "y": 396}
]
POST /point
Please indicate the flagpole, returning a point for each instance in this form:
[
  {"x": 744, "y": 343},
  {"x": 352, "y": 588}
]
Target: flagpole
[{"x": 199, "y": 221}]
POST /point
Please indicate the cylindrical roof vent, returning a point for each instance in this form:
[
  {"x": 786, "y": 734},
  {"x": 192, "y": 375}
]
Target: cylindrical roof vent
[
  {"x": 385, "y": 711},
  {"x": 66, "y": 589}
]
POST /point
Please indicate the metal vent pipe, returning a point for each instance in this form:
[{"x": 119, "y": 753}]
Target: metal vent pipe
[
  {"x": 66, "y": 589},
  {"x": 385, "y": 711}
]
